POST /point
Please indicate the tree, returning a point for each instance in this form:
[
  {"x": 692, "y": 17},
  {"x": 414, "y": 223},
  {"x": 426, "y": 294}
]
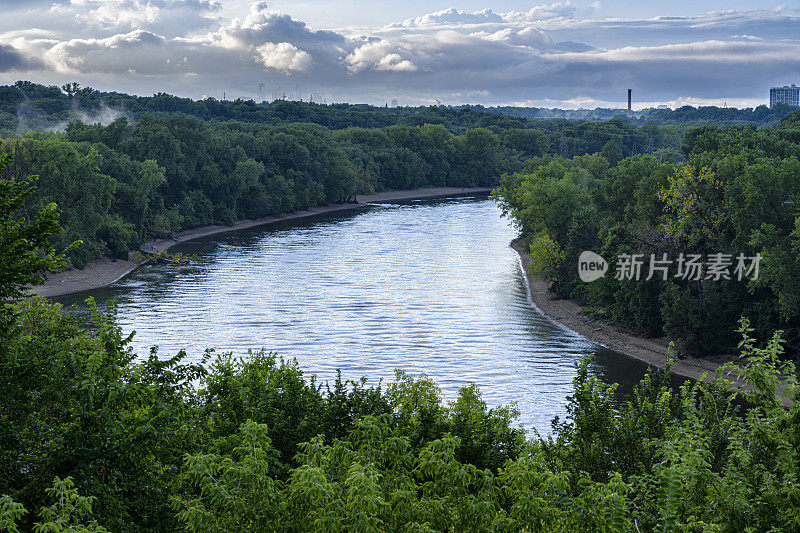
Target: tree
[
  {"x": 695, "y": 214},
  {"x": 246, "y": 175},
  {"x": 150, "y": 179},
  {"x": 612, "y": 152},
  {"x": 236, "y": 491},
  {"x": 70, "y": 513},
  {"x": 71, "y": 88},
  {"x": 530, "y": 143},
  {"x": 25, "y": 249},
  {"x": 546, "y": 256}
]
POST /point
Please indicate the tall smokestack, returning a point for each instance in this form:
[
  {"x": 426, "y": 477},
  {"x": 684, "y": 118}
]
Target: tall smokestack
[{"x": 629, "y": 102}]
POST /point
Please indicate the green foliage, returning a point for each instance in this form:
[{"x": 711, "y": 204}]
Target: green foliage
[
  {"x": 735, "y": 192},
  {"x": 120, "y": 185},
  {"x": 773, "y": 379},
  {"x": 234, "y": 491},
  {"x": 546, "y": 256},
  {"x": 612, "y": 153},
  {"x": 683, "y": 116},
  {"x": 170, "y": 163},
  {"x": 25, "y": 249},
  {"x": 256, "y": 447},
  {"x": 250, "y": 444},
  {"x": 119, "y": 236},
  {"x": 69, "y": 512},
  {"x": 10, "y": 513},
  {"x": 69, "y": 177}
]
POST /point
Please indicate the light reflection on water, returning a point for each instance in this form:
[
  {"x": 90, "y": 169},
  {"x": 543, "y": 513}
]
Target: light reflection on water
[{"x": 425, "y": 286}]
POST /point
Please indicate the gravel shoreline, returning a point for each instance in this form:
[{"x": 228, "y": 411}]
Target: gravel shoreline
[{"x": 569, "y": 314}]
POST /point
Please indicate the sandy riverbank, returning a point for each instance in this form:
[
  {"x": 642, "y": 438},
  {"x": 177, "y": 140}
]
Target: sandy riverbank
[
  {"x": 106, "y": 271},
  {"x": 569, "y": 314}
]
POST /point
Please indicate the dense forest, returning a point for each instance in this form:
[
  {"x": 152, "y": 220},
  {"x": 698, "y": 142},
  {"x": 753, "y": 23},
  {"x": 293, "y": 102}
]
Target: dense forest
[
  {"x": 735, "y": 192},
  {"x": 94, "y": 438},
  {"x": 682, "y": 116},
  {"x": 169, "y": 163},
  {"x": 25, "y": 106}
]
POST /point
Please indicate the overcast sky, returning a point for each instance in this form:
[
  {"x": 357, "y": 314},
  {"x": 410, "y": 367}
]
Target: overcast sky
[{"x": 564, "y": 54}]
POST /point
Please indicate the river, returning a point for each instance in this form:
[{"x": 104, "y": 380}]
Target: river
[{"x": 428, "y": 286}]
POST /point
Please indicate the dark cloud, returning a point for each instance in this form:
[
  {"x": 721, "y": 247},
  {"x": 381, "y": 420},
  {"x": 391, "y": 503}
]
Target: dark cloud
[{"x": 12, "y": 60}]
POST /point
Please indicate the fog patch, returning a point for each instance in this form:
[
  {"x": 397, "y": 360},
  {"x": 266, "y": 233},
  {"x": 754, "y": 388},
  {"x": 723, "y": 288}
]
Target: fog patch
[
  {"x": 104, "y": 116},
  {"x": 30, "y": 118}
]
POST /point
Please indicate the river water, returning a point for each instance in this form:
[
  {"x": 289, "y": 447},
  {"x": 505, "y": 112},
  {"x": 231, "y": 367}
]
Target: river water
[{"x": 429, "y": 286}]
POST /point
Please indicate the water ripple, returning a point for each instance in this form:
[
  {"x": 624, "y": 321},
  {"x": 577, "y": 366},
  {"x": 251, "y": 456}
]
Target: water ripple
[{"x": 428, "y": 287}]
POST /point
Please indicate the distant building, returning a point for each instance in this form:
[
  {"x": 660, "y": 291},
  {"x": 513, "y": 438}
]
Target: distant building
[{"x": 788, "y": 94}]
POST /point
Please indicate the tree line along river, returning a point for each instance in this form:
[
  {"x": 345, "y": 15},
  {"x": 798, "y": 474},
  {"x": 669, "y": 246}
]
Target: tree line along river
[{"x": 428, "y": 286}]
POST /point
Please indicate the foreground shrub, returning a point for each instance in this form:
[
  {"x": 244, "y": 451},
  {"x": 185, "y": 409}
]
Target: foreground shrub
[{"x": 252, "y": 445}]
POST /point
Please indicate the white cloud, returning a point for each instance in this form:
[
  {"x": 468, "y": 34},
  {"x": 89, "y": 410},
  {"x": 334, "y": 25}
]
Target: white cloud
[
  {"x": 283, "y": 56},
  {"x": 528, "y": 36},
  {"x": 451, "y": 17},
  {"x": 396, "y": 63},
  {"x": 29, "y": 33},
  {"x": 551, "y": 50},
  {"x": 166, "y": 17},
  {"x": 97, "y": 55},
  {"x": 445, "y": 55},
  {"x": 263, "y": 25},
  {"x": 380, "y": 56},
  {"x": 12, "y": 59},
  {"x": 122, "y": 14},
  {"x": 553, "y": 11}
]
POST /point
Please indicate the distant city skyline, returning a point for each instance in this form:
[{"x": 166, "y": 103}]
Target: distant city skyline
[{"x": 563, "y": 54}]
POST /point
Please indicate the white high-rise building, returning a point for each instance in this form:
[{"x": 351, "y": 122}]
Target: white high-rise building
[{"x": 788, "y": 94}]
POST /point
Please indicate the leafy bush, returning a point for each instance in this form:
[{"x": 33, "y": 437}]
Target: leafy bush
[{"x": 251, "y": 445}]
